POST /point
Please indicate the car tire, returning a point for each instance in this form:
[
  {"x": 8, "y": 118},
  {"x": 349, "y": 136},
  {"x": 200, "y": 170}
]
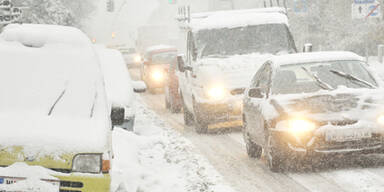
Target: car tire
[
  {"x": 201, "y": 125},
  {"x": 188, "y": 116},
  {"x": 253, "y": 150},
  {"x": 275, "y": 155}
]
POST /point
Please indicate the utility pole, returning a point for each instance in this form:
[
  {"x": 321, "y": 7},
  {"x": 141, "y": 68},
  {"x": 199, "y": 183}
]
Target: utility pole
[{"x": 232, "y": 4}]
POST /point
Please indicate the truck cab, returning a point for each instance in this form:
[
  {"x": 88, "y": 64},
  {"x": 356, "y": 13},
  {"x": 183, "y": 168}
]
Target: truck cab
[{"x": 222, "y": 51}]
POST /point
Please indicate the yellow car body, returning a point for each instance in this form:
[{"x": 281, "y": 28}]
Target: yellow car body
[{"x": 61, "y": 166}]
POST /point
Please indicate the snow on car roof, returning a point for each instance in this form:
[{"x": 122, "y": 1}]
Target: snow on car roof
[
  {"x": 160, "y": 47},
  {"x": 118, "y": 82},
  {"x": 52, "y": 98},
  {"x": 37, "y": 35},
  {"x": 315, "y": 57},
  {"x": 237, "y": 18}
]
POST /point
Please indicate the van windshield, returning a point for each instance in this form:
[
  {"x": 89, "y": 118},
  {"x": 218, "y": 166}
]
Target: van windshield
[{"x": 268, "y": 38}]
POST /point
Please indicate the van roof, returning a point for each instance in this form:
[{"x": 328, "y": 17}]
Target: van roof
[{"x": 237, "y": 18}]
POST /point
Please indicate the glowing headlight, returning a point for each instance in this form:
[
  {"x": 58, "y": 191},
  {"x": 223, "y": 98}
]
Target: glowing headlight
[
  {"x": 87, "y": 163},
  {"x": 216, "y": 93},
  {"x": 298, "y": 126},
  {"x": 137, "y": 59},
  {"x": 157, "y": 75},
  {"x": 380, "y": 120}
]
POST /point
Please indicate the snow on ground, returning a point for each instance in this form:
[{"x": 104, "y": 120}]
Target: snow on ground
[{"x": 156, "y": 159}]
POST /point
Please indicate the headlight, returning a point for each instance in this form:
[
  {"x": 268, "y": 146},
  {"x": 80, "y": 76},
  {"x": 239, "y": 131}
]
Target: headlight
[
  {"x": 380, "y": 120},
  {"x": 216, "y": 93},
  {"x": 299, "y": 126},
  {"x": 137, "y": 59},
  {"x": 87, "y": 163},
  {"x": 157, "y": 75}
]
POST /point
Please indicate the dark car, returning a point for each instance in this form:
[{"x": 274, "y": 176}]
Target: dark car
[
  {"x": 171, "y": 89},
  {"x": 305, "y": 106},
  {"x": 156, "y": 64}
]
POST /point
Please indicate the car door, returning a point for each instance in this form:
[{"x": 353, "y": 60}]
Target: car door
[{"x": 253, "y": 106}]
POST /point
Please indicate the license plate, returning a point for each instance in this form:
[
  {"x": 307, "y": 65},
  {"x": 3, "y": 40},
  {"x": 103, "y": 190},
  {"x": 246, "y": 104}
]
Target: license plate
[{"x": 343, "y": 135}]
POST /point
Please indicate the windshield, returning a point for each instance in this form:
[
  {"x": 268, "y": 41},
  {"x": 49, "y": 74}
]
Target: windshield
[
  {"x": 311, "y": 77},
  {"x": 163, "y": 57},
  {"x": 271, "y": 38}
]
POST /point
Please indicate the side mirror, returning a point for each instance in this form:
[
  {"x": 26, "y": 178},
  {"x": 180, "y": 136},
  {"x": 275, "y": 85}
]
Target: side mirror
[
  {"x": 308, "y": 47},
  {"x": 139, "y": 86},
  {"x": 180, "y": 64},
  {"x": 255, "y": 93},
  {"x": 117, "y": 116}
]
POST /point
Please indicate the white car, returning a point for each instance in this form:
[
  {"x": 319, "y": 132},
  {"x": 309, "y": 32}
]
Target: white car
[
  {"x": 119, "y": 86},
  {"x": 221, "y": 57}
]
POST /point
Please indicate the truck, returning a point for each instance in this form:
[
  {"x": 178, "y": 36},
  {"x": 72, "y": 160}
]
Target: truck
[{"x": 220, "y": 53}]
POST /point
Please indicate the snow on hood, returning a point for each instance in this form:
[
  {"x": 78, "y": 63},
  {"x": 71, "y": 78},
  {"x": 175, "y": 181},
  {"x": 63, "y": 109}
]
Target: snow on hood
[
  {"x": 238, "y": 18},
  {"x": 118, "y": 82},
  {"x": 231, "y": 72},
  {"x": 343, "y": 104}
]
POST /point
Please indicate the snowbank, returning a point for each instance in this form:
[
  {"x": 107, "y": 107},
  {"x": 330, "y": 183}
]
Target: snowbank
[
  {"x": 159, "y": 159},
  {"x": 34, "y": 179}
]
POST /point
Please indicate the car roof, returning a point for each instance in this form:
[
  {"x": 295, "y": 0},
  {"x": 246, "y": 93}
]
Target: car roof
[
  {"x": 160, "y": 48},
  {"x": 315, "y": 57}
]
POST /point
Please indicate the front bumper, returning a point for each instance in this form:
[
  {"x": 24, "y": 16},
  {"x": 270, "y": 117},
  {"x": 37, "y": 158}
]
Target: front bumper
[
  {"x": 221, "y": 115},
  {"x": 318, "y": 146},
  {"x": 85, "y": 183}
]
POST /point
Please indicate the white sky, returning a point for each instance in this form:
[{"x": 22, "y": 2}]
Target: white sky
[{"x": 124, "y": 23}]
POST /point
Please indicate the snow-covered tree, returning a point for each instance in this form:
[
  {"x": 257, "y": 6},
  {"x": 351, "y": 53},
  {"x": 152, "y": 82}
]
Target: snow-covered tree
[{"x": 60, "y": 12}]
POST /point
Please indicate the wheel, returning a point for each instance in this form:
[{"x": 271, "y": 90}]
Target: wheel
[
  {"x": 201, "y": 125},
  {"x": 167, "y": 103},
  {"x": 253, "y": 150},
  {"x": 188, "y": 116},
  {"x": 276, "y": 158}
]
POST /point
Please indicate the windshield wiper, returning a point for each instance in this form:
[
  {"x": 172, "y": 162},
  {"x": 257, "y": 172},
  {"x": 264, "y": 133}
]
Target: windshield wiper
[
  {"x": 353, "y": 78},
  {"x": 319, "y": 82}
]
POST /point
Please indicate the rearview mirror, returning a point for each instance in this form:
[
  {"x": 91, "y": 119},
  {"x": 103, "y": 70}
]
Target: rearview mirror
[
  {"x": 117, "y": 115},
  {"x": 180, "y": 64},
  {"x": 139, "y": 86},
  {"x": 255, "y": 93}
]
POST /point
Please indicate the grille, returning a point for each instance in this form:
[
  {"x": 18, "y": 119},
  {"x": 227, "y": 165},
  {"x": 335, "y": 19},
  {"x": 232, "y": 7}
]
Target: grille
[{"x": 71, "y": 184}]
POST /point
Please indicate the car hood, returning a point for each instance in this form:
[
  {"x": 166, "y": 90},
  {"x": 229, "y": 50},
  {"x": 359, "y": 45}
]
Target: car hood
[
  {"x": 231, "y": 72},
  {"x": 16, "y": 154},
  {"x": 333, "y": 106},
  {"x": 50, "y": 141}
]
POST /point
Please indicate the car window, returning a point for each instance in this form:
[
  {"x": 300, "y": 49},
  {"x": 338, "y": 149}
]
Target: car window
[{"x": 262, "y": 78}]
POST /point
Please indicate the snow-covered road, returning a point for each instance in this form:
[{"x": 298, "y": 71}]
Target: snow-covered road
[{"x": 226, "y": 153}]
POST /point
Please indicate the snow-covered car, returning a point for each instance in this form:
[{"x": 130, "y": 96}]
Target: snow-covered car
[
  {"x": 131, "y": 56},
  {"x": 171, "y": 89},
  {"x": 310, "y": 105},
  {"x": 221, "y": 57},
  {"x": 53, "y": 106},
  {"x": 156, "y": 65},
  {"x": 119, "y": 86}
]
